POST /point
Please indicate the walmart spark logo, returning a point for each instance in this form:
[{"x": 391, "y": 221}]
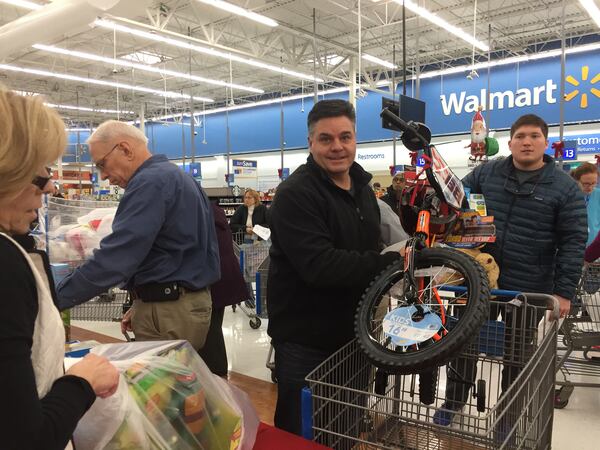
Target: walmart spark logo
[{"x": 583, "y": 102}]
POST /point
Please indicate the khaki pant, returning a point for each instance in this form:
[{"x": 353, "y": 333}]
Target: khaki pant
[{"x": 186, "y": 318}]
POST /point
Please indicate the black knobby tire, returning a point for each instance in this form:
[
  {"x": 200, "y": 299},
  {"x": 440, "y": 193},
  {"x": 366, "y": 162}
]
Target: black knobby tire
[
  {"x": 472, "y": 316},
  {"x": 428, "y": 386}
]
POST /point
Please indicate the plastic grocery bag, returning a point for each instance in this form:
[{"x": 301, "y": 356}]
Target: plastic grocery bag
[{"x": 167, "y": 399}]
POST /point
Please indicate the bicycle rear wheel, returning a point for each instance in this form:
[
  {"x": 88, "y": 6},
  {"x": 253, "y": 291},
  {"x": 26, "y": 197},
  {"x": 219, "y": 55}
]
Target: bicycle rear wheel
[{"x": 404, "y": 335}]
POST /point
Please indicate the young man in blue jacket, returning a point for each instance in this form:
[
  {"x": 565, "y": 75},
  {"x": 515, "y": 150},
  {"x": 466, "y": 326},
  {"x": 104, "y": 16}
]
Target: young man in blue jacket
[
  {"x": 325, "y": 251},
  {"x": 541, "y": 231}
]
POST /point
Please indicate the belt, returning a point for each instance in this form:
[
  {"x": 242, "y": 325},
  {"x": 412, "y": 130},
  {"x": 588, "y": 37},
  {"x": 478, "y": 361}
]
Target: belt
[{"x": 158, "y": 292}]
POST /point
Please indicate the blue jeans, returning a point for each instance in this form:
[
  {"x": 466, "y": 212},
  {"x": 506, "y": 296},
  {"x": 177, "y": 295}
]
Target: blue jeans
[{"x": 293, "y": 362}]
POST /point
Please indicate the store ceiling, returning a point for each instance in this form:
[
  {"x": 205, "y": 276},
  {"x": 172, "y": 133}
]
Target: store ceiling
[{"x": 516, "y": 27}]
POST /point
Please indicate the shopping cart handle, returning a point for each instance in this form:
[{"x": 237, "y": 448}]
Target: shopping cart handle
[
  {"x": 548, "y": 300},
  {"x": 533, "y": 298}
]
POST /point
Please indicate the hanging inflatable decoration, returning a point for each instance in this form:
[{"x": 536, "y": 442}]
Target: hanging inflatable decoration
[{"x": 482, "y": 146}]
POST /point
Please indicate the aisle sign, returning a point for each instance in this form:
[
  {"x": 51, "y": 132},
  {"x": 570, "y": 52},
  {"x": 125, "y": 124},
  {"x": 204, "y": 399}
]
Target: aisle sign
[
  {"x": 582, "y": 144},
  {"x": 570, "y": 151},
  {"x": 245, "y": 168},
  {"x": 195, "y": 170},
  {"x": 421, "y": 161}
]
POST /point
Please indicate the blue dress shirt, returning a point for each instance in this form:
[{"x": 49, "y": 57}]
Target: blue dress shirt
[{"x": 163, "y": 231}]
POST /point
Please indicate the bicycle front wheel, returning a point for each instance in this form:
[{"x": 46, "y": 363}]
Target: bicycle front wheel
[{"x": 403, "y": 333}]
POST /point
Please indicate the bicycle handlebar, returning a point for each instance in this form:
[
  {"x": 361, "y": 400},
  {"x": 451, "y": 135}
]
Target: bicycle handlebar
[{"x": 410, "y": 129}]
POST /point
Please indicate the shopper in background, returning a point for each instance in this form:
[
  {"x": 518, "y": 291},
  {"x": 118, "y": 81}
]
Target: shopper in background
[
  {"x": 586, "y": 176},
  {"x": 41, "y": 404},
  {"x": 163, "y": 245},
  {"x": 540, "y": 219},
  {"x": 229, "y": 290},
  {"x": 393, "y": 196},
  {"x": 251, "y": 213},
  {"x": 325, "y": 251}
]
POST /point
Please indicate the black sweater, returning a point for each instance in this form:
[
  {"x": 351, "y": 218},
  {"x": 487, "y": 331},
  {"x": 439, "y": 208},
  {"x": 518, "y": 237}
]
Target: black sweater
[
  {"x": 28, "y": 422},
  {"x": 239, "y": 218},
  {"x": 324, "y": 253}
]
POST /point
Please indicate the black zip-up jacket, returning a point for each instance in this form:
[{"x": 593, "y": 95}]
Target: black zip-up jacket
[
  {"x": 541, "y": 226},
  {"x": 324, "y": 253},
  {"x": 390, "y": 198}
]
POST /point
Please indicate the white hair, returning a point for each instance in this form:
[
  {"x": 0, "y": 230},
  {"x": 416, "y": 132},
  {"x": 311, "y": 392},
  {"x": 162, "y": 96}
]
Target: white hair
[{"x": 111, "y": 129}]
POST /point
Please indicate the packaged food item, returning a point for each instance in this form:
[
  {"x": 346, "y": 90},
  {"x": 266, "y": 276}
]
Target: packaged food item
[{"x": 167, "y": 399}]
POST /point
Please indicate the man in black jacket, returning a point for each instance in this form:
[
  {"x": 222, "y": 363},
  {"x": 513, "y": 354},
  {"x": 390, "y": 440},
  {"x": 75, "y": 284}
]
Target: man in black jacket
[
  {"x": 325, "y": 251},
  {"x": 393, "y": 196},
  {"x": 541, "y": 231}
]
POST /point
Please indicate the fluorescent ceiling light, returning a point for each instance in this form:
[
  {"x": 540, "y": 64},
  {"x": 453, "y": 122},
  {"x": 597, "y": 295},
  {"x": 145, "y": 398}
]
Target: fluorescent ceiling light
[
  {"x": 437, "y": 20},
  {"x": 23, "y": 4},
  {"x": 64, "y": 76},
  {"x": 143, "y": 67},
  {"x": 500, "y": 62},
  {"x": 376, "y": 60},
  {"x": 289, "y": 98},
  {"x": 83, "y": 108},
  {"x": 26, "y": 93},
  {"x": 592, "y": 10},
  {"x": 234, "y": 9},
  {"x": 205, "y": 50}
]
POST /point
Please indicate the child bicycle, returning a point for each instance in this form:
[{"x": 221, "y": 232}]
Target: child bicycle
[{"x": 404, "y": 324}]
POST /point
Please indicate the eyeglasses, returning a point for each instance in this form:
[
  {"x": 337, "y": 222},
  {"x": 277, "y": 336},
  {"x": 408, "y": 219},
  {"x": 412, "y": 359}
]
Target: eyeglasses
[
  {"x": 588, "y": 184},
  {"x": 40, "y": 181},
  {"x": 100, "y": 164}
]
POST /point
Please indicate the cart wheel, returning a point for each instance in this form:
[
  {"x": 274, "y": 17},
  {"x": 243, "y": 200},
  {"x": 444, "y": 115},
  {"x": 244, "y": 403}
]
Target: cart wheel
[
  {"x": 480, "y": 394},
  {"x": 428, "y": 386},
  {"x": 559, "y": 403},
  {"x": 255, "y": 323},
  {"x": 273, "y": 377}
]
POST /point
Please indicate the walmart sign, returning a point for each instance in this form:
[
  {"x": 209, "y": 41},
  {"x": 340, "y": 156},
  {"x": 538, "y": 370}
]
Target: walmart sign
[
  {"x": 527, "y": 87},
  {"x": 456, "y": 104}
]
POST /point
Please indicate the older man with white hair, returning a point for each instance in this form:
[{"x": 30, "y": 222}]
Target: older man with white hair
[{"x": 163, "y": 246}]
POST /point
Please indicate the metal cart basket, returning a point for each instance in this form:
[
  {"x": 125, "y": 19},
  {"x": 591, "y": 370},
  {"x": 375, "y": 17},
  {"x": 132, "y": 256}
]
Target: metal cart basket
[
  {"x": 107, "y": 307},
  {"x": 353, "y": 409},
  {"x": 579, "y": 348},
  {"x": 254, "y": 263}
]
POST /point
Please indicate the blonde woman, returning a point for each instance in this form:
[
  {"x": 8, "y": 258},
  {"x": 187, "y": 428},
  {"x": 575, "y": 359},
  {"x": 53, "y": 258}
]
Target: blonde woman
[
  {"x": 251, "y": 213},
  {"x": 41, "y": 403}
]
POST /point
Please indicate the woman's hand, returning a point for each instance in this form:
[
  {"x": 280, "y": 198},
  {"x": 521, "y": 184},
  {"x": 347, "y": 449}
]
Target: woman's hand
[{"x": 99, "y": 372}]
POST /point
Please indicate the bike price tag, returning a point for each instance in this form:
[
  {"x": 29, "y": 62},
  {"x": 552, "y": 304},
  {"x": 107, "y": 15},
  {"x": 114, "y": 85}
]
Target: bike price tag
[{"x": 400, "y": 327}]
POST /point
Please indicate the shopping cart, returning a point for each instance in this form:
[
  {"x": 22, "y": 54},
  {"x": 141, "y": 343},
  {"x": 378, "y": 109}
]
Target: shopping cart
[
  {"x": 252, "y": 257},
  {"x": 348, "y": 404},
  {"x": 107, "y": 307},
  {"x": 579, "y": 354}
]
